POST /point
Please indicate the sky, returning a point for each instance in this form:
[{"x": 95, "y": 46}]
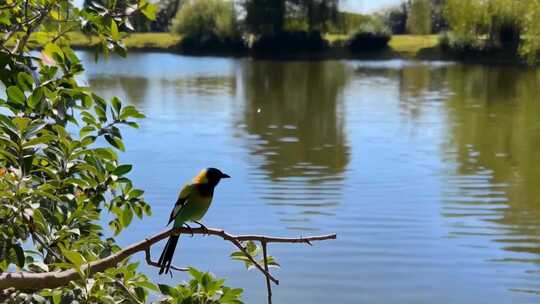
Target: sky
[{"x": 366, "y": 6}]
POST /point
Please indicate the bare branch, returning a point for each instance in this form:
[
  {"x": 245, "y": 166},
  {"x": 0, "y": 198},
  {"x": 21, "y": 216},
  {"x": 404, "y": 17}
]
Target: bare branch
[
  {"x": 25, "y": 280},
  {"x": 148, "y": 258},
  {"x": 268, "y": 285}
]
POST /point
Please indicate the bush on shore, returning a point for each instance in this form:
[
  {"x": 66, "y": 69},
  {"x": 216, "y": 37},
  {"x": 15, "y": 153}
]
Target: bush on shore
[
  {"x": 289, "y": 42},
  {"x": 370, "y": 36},
  {"x": 208, "y": 25},
  {"x": 463, "y": 46}
]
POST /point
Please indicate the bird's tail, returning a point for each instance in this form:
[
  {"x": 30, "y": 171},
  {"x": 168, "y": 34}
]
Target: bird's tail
[{"x": 166, "y": 257}]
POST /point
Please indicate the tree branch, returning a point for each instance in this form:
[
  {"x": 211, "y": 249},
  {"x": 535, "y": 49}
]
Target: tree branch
[
  {"x": 148, "y": 258},
  {"x": 36, "y": 281},
  {"x": 268, "y": 285}
]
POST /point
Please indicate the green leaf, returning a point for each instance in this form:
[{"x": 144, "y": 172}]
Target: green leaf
[
  {"x": 86, "y": 130},
  {"x": 149, "y": 10},
  {"x": 53, "y": 51},
  {"x": 57, "y": 298},
  {"x": 19, "y": 254},
  {"x": 136, "y": 193},
  {"x": 16, "y": 95},
  {"x": 130, "y": 111},
  {"x": 117, "y": 105},
  {"x": 147, "y": 209},
  {"x": 25, "y": 81},
  {"x": 114, "y": 30},
  {"x": 115, "y": 142},
  {"x": 115, "y": 226},
  {"x": 197, "y": 275},
  {"x": 73, "y": 257},
  {"x": 122, "y": 169},
  {"x": 105, "y": 153},
  {"x": 168, "y": 290},
  {"x": 100, "y": 112},
  {"x": 148, "y": 285},
  {"x": 127, "y": 216},
  {"x": 35, "y": 98},
  {"x": 21, "y": 123},
  {"x": 38, "y": 140}
]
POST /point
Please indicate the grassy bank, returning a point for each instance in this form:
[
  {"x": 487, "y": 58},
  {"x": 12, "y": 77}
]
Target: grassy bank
[
  {"x": 413, "y": 45},
  {"x": 135, "y": 41},
  {"x": 409, "y": 46}
]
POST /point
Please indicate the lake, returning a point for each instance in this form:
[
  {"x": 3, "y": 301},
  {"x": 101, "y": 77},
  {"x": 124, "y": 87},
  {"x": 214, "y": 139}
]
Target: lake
[{"x": 428, "y": 172}]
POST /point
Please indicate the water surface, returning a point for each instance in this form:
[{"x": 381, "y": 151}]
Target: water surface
[{"x": 428, "y": 172}]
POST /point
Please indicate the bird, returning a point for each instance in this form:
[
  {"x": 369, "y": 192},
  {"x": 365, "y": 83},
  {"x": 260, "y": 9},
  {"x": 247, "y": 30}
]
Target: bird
[{"x": 193, "y": 201}]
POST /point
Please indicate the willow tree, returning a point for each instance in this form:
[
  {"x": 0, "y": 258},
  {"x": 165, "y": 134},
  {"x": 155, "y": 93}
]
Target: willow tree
[
  {"x": 419, "y": 17},
  {"x": 505, "y": 23}
]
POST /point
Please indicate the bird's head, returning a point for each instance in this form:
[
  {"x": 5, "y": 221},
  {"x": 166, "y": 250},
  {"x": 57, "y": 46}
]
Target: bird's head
[{"x": 210, "y": 176}]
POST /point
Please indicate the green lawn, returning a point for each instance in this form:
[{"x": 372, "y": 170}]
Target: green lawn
[
  {"x": 133, "y": 41},
  {"x": 406, "y": 45},
  {"x": 411, "y": 45}
]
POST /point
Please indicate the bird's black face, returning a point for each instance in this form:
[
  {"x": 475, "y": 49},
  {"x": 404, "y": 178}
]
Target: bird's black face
[{"x": 215, "y": 175}]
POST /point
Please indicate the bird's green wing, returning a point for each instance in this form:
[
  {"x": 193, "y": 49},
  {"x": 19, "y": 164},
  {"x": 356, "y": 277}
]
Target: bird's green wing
[{"x": 181, "y": 201}]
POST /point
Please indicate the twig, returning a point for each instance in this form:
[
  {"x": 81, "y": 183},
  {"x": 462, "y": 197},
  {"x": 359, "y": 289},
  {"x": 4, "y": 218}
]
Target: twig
[
  {"x": 235, "y": 241},
  {"x": 131, "y": 296},
  {"x": 62, "y": 33},
  {"x": 46, "y": 247},
  {"x": 268, "y": 285},
  {"x": 148, "y": 258}
]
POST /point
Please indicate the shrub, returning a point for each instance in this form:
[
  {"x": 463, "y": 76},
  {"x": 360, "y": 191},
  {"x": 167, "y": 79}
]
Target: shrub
[
  {"x": 205, "y": 17},
  {"x": 460, "y": 45},
  {"x": 291, "y": 41},
  {"x": 370, "y": 36},
  {"x": 495, "y": 25}
]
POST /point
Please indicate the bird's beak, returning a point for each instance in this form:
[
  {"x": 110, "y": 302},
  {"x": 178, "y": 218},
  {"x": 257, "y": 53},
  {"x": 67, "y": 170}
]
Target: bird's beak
[{"x": 223, "y": 175}]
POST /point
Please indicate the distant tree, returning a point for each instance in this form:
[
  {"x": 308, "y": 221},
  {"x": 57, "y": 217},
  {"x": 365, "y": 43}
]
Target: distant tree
[
  {"x": 264, "y": 16},
  {"x": 269, "y": 16},
  {"x": 347, "y": 22},
  {"x": 395, "y": 18},
  {"x": 419, "y": 18},
  {"x": 508, "y": 24},
  {"x": 319, "y": 12},
  {"x": 206, "y": 18},
  {"x": 416, "y": 17},
  {"x": 438, "y": 22},
  {"x": 167, "y": 9}
]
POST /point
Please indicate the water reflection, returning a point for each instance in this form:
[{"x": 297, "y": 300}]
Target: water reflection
[
  {"x": 294, "y": 118},
  {"x": 133, "y": 88},
  {"x": 494, "y": 138}
]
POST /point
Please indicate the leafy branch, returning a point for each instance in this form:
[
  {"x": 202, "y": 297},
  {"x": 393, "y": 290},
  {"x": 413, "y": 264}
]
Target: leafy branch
[{"x": 35, "y": 281}]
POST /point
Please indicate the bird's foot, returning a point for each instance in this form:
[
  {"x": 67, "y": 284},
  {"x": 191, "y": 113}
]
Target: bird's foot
[
  {"x": 203, "y": 227},
  {"x": 190, "y": 229}
]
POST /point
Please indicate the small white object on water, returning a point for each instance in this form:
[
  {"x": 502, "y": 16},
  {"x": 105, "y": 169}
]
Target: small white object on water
[{"x": 258, "y": 110}]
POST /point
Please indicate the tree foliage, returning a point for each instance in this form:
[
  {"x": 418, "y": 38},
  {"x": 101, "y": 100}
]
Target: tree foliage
[
  {"x": 59, "y": 168},
  {"x": 271, "y": 17},
  {"x": 206, "y": 17},
  {"x": 371, "y": 35},
  {"x": 507, "y": 24},
  {"x": 419, "y": 17}
]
